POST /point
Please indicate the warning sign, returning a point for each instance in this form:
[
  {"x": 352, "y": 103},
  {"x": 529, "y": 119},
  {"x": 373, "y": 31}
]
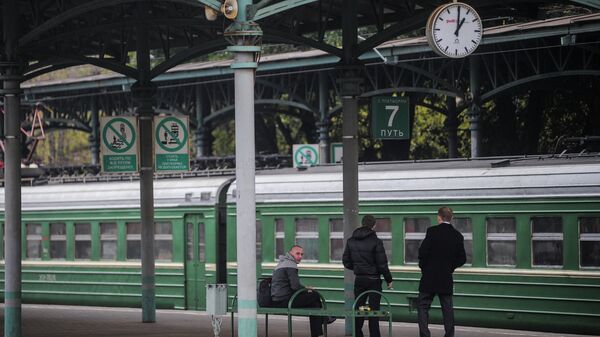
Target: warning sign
[
  {"x": 306, "y": 155},
  {"x": 119, "y": 144},
  {"x": 171, "y": 148}
]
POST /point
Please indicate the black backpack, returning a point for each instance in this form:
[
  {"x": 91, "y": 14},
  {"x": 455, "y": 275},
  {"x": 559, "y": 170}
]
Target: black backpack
[{"x": 263, "y": 293}]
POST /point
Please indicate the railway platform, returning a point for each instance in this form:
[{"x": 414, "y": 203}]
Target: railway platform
[{"x": 76, "y": 321}]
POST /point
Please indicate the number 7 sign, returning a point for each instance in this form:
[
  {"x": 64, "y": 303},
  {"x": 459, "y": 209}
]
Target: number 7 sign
[{"x": 389, "y": 118}]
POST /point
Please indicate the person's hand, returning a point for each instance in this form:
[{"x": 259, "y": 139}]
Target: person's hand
[{"x": 389, "y": 285}]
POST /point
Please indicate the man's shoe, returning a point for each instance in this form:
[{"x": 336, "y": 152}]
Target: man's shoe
[{"x": 331, "y": 319}]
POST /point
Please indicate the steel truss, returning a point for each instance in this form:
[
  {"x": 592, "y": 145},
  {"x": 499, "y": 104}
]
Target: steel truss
[{"x": 505, "y": 67}]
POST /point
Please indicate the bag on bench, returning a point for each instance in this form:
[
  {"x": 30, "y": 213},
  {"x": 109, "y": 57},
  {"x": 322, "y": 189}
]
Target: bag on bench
[{"x": 263, "y": 293}]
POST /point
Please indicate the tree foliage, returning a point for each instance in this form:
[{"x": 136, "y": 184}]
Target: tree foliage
[
  {"x": 533, "y": 120},
  {"x": 63, "y": 148}
]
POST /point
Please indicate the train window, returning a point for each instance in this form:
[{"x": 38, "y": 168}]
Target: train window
[
  {"x": 547, "y": 241},
  {"x": 134, "y": 240},
  {"x": 163, "y": 241},
  {"x": 58, "y": 241},
  {"x": 414, "y": 232},
  {"x": 589, "y": 245},
  {"x": 383, "y": 227},
  {"x": 307, "y": 236},
  {"x": 336, "y": 239},
  {"x": 3, "y": 241},
  {"x": 465, "y": 227},
  {"x": 34, "y": 240},
  {"x": 83, "y": 241},
  {"x": 108, "y": 241},
  {"x": 190, "y": 240},
  {"x": 201, "y": 242},
  {"x": 501, "y": 241},
  {"x": 279, "y": 238},
  {"x": 258, "y": 240}
]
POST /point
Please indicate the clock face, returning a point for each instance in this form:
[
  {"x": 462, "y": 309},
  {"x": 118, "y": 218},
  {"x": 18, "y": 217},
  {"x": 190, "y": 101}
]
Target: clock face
[{"x": 454, "y": 30}]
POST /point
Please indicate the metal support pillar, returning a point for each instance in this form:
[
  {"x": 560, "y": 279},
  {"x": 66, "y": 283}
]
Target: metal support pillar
[
  {"x": 475, "y": 109},
  {"x": 451, "y": 125},
  {"x": 245, "y": 194},
  {"x": 10, "y": 74},
  {"x": 349, "y": 91},
  {"x": 143, "y": 96},
  {"x": 244, "y": 37},
  {"x": 202, "y": 108},
  {"x": 143, "y": 92},
  {"x": 94, "y": 137},
  {"x": 324, "y": 123}
]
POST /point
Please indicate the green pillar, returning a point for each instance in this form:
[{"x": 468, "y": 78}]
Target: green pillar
[{"x": 11, "y": 76}]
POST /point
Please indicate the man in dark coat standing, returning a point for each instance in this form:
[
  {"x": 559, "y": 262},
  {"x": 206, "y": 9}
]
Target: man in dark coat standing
[
  {"x": 440, "y": 254},
  {"x": 365, "y": 255}
]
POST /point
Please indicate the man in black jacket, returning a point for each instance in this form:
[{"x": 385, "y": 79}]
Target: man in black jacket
[
  {"x": 440, "y": 253},
  {"x": 365, "y": 255}
]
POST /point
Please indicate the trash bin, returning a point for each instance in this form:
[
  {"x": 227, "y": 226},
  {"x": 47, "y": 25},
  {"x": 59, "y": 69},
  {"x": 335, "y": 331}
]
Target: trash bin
[{"x": 216, "y": 299}]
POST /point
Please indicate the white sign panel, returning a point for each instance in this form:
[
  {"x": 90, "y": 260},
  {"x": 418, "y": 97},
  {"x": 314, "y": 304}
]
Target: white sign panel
[
  {"x": 337, "y": 152},
  {"x": 171, "y": 148},
  {"x": 305, "y": 155},
  {"x": 119, "y": 144}
]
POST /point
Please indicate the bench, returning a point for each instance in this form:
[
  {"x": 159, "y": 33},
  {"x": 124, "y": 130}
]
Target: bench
[
  {"x": 369, "y": 314},
  {"x": 322, "y": 312}
]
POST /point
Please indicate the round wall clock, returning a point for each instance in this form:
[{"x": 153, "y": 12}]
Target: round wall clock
[{"x": 454, "y": 30}]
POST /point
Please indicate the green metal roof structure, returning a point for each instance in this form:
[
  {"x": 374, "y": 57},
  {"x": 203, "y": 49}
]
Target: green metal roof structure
[{"x": 123, "y": 35}]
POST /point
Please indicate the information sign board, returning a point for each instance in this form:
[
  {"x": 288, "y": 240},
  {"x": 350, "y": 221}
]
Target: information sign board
[
  {"x": 171, "y": 144},
  {"x": 119, "y": 144},
  {"x": 305, "y": 155},
  {"x": 337, "y": 152},
  {"x": 389, "y": 118}
]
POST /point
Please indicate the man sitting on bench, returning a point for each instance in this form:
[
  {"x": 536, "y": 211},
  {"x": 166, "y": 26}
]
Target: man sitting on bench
[{"x": 286, "y": 282}]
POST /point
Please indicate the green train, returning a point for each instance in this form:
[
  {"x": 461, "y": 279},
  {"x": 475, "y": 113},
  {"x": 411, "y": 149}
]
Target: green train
[{"x": 531, "y": 228}]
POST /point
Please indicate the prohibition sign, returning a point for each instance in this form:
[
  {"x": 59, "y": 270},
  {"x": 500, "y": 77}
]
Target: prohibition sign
[
  {"x": 171, "y": 129},
  {"x": 306, "y": 155},
  {"x": 120, "y": 132}
]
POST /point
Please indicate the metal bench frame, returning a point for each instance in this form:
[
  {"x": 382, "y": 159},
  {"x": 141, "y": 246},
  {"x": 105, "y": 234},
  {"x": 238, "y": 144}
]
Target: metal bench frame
[{"x": 323, "y": 312}]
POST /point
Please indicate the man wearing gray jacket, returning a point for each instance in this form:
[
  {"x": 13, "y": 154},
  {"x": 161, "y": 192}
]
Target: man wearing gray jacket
[{"x": 286, "y": 282}]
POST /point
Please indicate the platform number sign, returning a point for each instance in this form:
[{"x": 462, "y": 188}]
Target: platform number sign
[
  {"x": 119, "y": 144},
  {"x": 171, "y": 144},
  {"x": 389, "y": 118},
  {"x": 305, "y": 155}
]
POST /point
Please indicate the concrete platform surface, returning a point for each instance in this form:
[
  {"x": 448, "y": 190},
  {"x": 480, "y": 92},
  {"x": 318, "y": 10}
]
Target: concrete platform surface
[{"x": 77, "y": 321}]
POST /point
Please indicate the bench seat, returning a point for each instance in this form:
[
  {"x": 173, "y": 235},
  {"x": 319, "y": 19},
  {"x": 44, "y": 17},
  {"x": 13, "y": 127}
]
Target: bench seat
[{"x": 321, "y": 312}]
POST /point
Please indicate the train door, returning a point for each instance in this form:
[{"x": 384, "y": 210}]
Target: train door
[{"x": 195, "y": 259}]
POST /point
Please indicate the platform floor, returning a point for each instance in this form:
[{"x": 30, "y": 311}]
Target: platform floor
[{"x": 77, "y": 321}]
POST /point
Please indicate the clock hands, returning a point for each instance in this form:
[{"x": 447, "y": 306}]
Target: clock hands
[
  {"x": 457, "y": 20},
  {"x": 458, "y": 26}
]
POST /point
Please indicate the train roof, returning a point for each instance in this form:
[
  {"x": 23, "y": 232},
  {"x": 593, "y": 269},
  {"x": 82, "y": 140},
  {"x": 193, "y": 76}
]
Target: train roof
[
  {"x": 190, "y": 192},
  {"x": 513, "y": 177}
]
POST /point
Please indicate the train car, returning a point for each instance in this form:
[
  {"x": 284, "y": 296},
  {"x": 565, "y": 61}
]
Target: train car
[
  {"x": 81, "y": 241},
  {"x": 531, "y": 228}
]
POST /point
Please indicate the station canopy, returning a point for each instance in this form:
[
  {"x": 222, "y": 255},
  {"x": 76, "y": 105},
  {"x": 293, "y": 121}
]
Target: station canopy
[{"x": 56, "y": 34}]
